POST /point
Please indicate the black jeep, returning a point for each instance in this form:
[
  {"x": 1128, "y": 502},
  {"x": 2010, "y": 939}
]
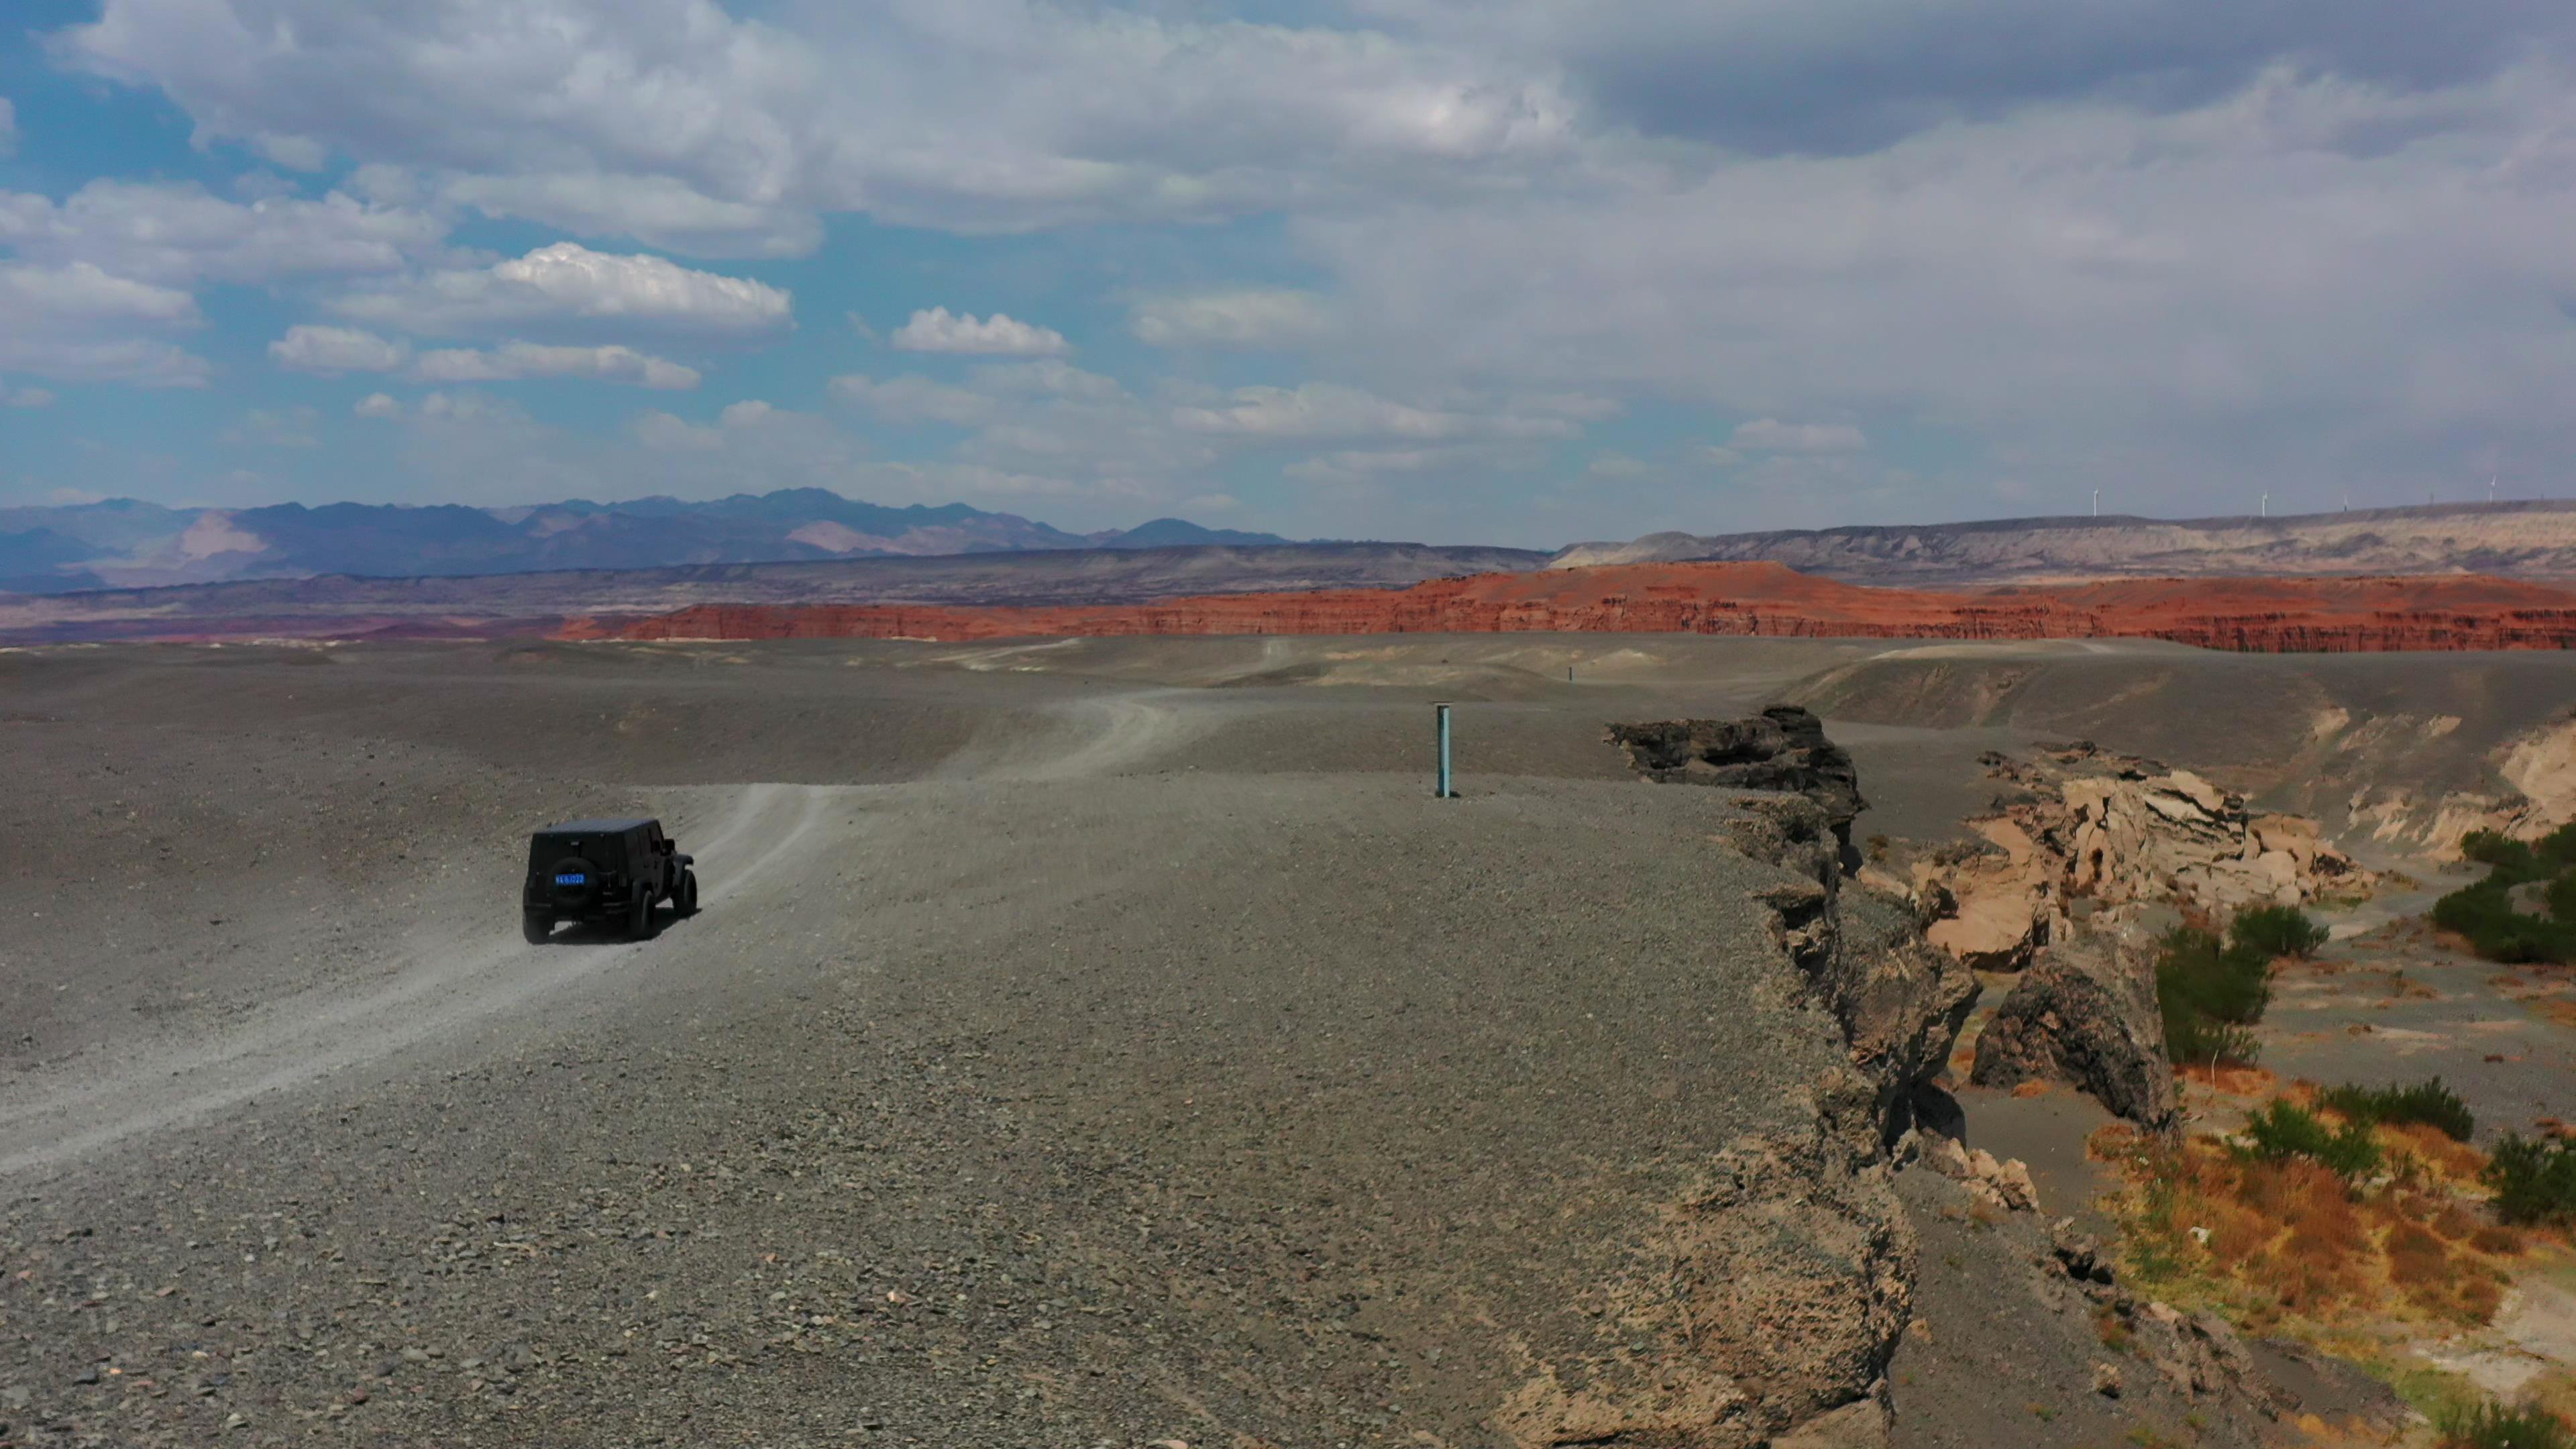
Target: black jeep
[{"x": 605, "y": 873}]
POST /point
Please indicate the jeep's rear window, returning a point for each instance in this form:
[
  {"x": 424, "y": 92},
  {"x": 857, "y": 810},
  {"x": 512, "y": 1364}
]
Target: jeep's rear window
[{"x": 600, "y": 850}]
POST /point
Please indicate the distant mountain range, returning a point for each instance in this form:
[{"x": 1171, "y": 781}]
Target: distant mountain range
[
  {"x": 123, "y": 543},
  {"x": 2522, "y": 539}
]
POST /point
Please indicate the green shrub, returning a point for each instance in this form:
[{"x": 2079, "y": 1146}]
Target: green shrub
[
  {"x": 2484, "y": 913},
  {"x": 2427, "y": 1102},
  {"x": 2493, "y": 1426},
  {"x": 2209, "y": 993},
  {"x": 2221, "y": 982},
  {"x": 2192, "y": 1039},
  {"x": 2510, "y": 858},
  {"x": 2276, "y": 931},
  {"x": 2284, "y": 1130},
  {"x": 2562, "y": 898},
  {"x": 2534, "y": 1182}
]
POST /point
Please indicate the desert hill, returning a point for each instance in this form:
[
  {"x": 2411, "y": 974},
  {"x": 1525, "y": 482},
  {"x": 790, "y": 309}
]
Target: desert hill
[{"x": 2533, "y": 539}]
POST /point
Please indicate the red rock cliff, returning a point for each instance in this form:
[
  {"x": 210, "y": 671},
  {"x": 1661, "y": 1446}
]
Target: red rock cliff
[{"x": 2264, "y": 615}]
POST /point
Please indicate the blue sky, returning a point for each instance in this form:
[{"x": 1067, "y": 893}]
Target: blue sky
[{"x": 1513, "y": 271}]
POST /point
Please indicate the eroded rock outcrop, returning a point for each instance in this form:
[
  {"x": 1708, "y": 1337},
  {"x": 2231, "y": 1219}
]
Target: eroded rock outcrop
[
  {"x": 2085, "y": 1013},
  {"x": 1790, "y": 1278},
  {"x": 1783, "y": 748},
  {"x": 2080, "y": 823},
  {"x": 1899, "y": 1002},
  {"x": 1787, "y": 1276}
]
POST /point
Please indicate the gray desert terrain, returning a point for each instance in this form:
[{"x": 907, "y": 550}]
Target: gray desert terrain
[{"x": 1083, "y": 1043}]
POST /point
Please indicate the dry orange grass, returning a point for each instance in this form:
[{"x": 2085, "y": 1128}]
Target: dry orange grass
[
  {"x": 2294, "y": 1240},
  {"x": 2235, "y": 1081}
]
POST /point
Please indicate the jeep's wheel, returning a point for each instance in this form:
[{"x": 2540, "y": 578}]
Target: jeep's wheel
[
  {"x": 639, "y": 918},
  {"x": 685, "y": 900},
  {"x": 536, "y": 927}
]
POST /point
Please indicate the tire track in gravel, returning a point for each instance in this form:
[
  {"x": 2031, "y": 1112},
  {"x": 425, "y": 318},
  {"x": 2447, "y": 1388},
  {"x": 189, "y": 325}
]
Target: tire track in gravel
[{"x": 301, "y": 1040}]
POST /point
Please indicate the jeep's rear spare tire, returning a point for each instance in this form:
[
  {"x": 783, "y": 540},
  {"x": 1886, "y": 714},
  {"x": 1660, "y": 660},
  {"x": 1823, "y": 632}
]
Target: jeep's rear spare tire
[{"x": 574, "y": 886}]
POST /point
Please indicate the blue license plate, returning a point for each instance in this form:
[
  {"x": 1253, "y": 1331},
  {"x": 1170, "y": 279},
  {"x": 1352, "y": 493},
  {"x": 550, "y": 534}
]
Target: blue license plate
[{"x": 570, "y": 879}]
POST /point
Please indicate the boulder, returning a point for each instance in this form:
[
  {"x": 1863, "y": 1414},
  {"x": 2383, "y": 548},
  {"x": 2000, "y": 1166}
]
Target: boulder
[{"x": 2085, "y": 1014}]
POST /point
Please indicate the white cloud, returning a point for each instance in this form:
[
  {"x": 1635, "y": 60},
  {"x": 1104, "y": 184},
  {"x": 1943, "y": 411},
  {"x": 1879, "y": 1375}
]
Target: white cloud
[
  {"x": 30, "y": 397},
  {"x": 1772, "y": 435},
  {"x": 916, "y": 399},
  {"x": 1329, "y": 410},
  {"x": 1365, "y": 465},
  {"x": 181, "y": 234},
  {"x": 335, "y": 350},
  {"x": 75, "y": 322},
  {"x": 568, "y": 283},
  {"x": 1250, "y": 318},
  {"x": 936, "y": 330},
  {"x": 513, "y": 361},
  {"x": 680, "y": 123},
  {"x": 377, "y": 405},
  {"x": 8, "y": 128},
  {"x": 659, "y": 211},
  {"x": 751, "y": 412},
  {"x": 663, "y": 433}
]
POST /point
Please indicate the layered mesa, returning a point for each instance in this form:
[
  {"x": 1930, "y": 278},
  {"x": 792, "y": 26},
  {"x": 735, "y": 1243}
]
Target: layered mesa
[{"x": 2269, "y": 615}]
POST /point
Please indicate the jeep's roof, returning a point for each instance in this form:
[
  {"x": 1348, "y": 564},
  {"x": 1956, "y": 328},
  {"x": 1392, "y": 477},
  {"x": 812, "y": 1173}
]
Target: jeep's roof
[{"x": 598, "y": 827}]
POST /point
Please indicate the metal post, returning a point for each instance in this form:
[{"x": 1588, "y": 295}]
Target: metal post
[{"x": 1443, "y": 792}]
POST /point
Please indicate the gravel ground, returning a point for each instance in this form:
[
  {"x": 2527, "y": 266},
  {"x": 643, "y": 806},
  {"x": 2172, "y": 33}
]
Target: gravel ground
[
  {"x": 1056, "y": 1062},
  {"x": 1083, "y": 1044}
]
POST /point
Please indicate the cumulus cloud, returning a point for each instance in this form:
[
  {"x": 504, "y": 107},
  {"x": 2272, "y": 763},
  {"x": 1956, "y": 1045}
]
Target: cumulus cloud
[
  {"x": 28, "y": 397},
  {"x": 681, "y": 119},
  {"x": 1252, "y": 318},
  {"x": 180, "y": 234},
  {"x": 2176, "y": 243},
  {"x": 335, "y": 350},
  {"x": 1772, "y": 435},
  {"x": 2083, "y": 290},
  {"x": 377, "y": 405},
  {"x": 568, "y": 283},
  {"x": 8, "y": 128},
  {"x": 936, "y": 330},
  {"x": 514, "y": 361},
  {"x": 78, "y": 323}
]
